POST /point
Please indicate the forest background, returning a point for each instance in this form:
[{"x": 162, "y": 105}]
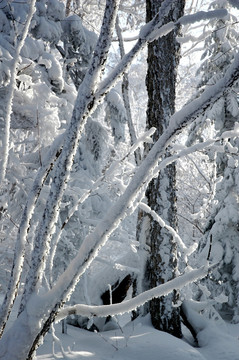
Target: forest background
[{"x": 78, "y": 210}]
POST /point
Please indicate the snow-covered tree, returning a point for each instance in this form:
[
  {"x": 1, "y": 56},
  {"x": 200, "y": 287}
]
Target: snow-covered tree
[
  {"x": 195, "y": 192},
  {"x": 50, "y": 188},
  {"x": 222, "y": 225},
  {"x": 161, "y": 266}
]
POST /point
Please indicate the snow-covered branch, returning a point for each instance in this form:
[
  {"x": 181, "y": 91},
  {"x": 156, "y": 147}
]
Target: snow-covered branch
[
  {"x": 184, "y": 152},
  {"x": 203, "y": 15},
  {"x": 150, "y": 32},
  {"x": 133, "y": 193},
  {"x": 11, "y": 92},
  {"x": 186, "y": 251},
  {"x": 20, "y": 243},
  {"x": 127, "y": 60},
  {"x": 19, "y": 253},
  {"x": 144, "y": 138},
  {"x": 83, "y": 107},
  {"x": 132, "y": 304},
  {"x": 159, "y": 30}
]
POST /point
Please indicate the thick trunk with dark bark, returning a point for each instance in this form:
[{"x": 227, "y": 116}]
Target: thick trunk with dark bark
[{"x": 163, "y": 58}]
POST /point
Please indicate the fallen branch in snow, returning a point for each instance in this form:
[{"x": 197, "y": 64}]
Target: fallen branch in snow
[
  {"x": 187, "y": 323},
  {"x": 190, "y": 312},
  {"x": 132, "y": 304},
  {"x": 211, "y": 337}
]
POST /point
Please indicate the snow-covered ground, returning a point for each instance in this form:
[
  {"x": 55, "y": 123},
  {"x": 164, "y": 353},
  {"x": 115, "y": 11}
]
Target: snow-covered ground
[{"x": 138, "y": 340}]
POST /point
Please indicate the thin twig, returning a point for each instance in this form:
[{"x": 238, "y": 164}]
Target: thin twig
[
  {"x": 38, "y": 135},
  {"x": 210, "y": 248},
  {"x": 191, "y": 222}
]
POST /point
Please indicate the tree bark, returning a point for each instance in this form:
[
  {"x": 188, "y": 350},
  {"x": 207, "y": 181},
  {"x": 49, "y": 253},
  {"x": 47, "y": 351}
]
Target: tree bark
[{"x": 161, "y": 266}]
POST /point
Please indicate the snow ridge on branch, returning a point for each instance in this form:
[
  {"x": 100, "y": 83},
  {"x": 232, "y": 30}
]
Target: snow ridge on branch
[
  {"x": 159, "y": 30},
  {"x": 132, "y": 304}
]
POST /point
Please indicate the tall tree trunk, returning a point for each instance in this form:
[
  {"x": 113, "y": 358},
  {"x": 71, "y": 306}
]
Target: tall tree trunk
[{"x": 161, "y": 266}]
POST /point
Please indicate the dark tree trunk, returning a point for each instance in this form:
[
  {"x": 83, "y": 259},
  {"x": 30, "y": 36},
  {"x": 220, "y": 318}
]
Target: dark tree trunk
[
  {"x": 119, "y": 291},
  {"x": 161, "y": 266}
]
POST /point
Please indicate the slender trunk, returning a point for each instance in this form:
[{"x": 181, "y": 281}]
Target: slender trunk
[
  {"x": 68, "y": 7},
  {"x": 6, "y": 145},
  {"x": 19, "y": 253},
  {"x": 84, "y": 106},
  {"x": 125, "y": 95}
]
